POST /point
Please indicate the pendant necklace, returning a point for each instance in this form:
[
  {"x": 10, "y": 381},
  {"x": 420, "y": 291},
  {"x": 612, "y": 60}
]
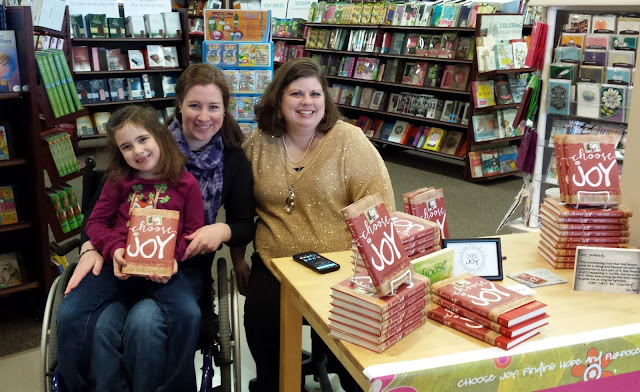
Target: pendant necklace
[{"x": 289, "y": 202}]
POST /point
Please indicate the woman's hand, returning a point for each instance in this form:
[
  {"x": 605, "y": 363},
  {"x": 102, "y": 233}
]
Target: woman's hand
[
  {"x": 164, "y": 279},
  {"x": 207, "y": 239},
  {"x": 91, "y": 260},
  {"x": 241, "y": 269},
  {"x": 118, "y": 263}
]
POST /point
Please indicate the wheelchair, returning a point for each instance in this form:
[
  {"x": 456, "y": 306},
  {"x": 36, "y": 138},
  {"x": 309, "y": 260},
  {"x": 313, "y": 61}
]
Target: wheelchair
[{"x": 219, "y": 339}]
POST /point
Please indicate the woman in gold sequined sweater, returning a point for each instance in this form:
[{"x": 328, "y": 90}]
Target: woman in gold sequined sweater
[{"x": 307, "y": 166}]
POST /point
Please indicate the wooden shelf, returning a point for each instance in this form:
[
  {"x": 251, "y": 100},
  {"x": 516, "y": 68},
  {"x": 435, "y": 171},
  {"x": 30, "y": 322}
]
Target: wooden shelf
[
  {"x": 288, "y": 39},
  {"x": 428, "y": 28},
  {"x": 348, "y": 52},
  {"x": 331, "y": 25},
  {"x": 89, "y": 137},
  {"x": 425, "y": 58},
  {"x": 506, "y": 71},
  {"x": 4, "y": 96},
  {"x": 422, "y": 150},
  {"x": 82, "y": 40},
  {"x": 127, "y": 72},
  {"x": 404, "y": 86},
  {"x": 498, "y": 140},
  {"x": 406, "y": 116},
  {"x": 495, "y": 176},
  {"x": 115, "y": 103},
  {"x": 15, "y": 226},
  {"x": 13, "y": 162},
  {"x": 19, "y": 288},
  {"x": 496, "y": 107}
]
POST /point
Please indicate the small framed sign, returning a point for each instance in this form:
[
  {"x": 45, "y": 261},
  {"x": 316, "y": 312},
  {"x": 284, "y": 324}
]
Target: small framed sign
[
  {"x": 609, "y": 270},
  {"x": 479, "y": 256}
]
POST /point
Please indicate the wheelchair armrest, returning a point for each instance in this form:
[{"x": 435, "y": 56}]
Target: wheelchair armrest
[{"x": 65, "y": 248}]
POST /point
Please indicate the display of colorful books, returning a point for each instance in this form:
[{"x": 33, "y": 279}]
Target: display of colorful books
[
  {"x": 505, "y": 321},
  {"x": 563, "y": 228}
]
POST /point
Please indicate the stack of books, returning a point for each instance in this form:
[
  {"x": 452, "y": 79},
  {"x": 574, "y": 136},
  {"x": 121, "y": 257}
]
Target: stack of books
[
  {"x": 418, "y": 236},
  {"x": 563, "y": 228},
  {"x": 428, "y": 203},
  {"x": 360, "y": 316},
  {"x": 507, "y": 320}
]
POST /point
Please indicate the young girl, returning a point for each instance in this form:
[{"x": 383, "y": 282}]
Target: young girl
[{"x": 146, "y": 171}]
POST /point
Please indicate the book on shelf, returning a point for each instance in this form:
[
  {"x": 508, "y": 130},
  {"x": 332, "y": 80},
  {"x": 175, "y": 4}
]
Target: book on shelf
[
  {"x": 159, "y": 227},
  {"x": 84, "y": 126},
  {"x": 54, "y": 93},
  {"x": 434, "y": 139},
  {"x": 451, "y": 142},
  {"x": 172, "y": 25},
  {"x": 10, "y": 267},
  {"x": 10, "y": 76},
  {"x": 116, "y": 27},
  {"x": 383, "y": 267},
  {"x": 154, "y": 56},
  {"x": 460, "y": 76},
  {"x": 6, "y": 141},
  {"x": 118, "y": 89},
  {"x": 134, "y": 26},
  {"x": 135, "y": 89},
  {"x": 8, "y": 212},
  {"x": 136, "y": 59},
  {"x": 96, "y": 25},
  {"x": 77, "y": 26},
  {"x": 490, "y": 162},
  {"x": 503, "y": 93},
  {"x": 475, "y": 164},
  {"x": 399, "y": 129},
  {"x": 507, "y": 156},
  {"x": 100, "y": 120},
  {"x": 485, "y": 126},
  {"x": 507, "y": 307},
  {"x": 366, "y": 68},
  {"x": 483, "y": 93},
  {"x": 474, "y": 329},
  {"x": 154, "y": 25},
  {"x": 506, "y": 117}
]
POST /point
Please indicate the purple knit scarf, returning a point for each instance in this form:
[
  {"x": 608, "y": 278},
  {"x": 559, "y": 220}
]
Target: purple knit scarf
[{"x": 206, "y": 166}]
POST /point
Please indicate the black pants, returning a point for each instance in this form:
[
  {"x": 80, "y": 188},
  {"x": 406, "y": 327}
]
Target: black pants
[{"x": 262, "y": 326}]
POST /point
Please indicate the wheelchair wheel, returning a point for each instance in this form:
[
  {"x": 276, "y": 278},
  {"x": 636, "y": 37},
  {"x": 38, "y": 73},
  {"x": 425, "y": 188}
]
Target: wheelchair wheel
[
  {"x": 225, "y": 326},
  {"x": 48, "y": 342}
]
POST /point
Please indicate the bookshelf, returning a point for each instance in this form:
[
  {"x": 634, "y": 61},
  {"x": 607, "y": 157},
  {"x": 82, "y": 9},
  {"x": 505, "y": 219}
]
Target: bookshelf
[
  {"x": 394, "y": 83},
  {"x": 24, "y": 171},
  {"x": 556, "y": 16},
  {"x": 158, "y": 99}
]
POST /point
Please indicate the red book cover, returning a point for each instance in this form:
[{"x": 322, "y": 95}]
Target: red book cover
[
  {"x": 151, "y": 242},
  {"x": 349, "y": 308},
  {"x": 561, "y": 165},
  {"x": 357, "y": 294},
  {"x": 586, "y": 236},
  {"x": 471, "y": 328},
  {"x": 555, "y": 264},
  {"x": 562, "y": 210},
  {"x": 544, "y": 208},
  {"x": 410, "y": 227},
  {"x": 369, "y": 323},
  {"x": 592, "y": 169},
  {"x": 408, "y": 195},
  {"x": 579, "y": 226},
  {"x": 558, "y": 244},
  {"x": 378, "y": 242},
  {"x": 518, "y": 330},
  {"x": 429, "y": 205},
  {"x": 378, "y": 348},
  {"x": 486, "y": 298},
  {"x": 372, "y": 335},
  {"x": 557, "y": 251},
  {"x": 542, "y": 249}
]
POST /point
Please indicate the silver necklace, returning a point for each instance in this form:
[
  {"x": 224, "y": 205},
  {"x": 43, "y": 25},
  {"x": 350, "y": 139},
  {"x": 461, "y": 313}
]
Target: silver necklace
[
  {"x": 289, "y": 202},
  {"x": 284, "y": 143}
]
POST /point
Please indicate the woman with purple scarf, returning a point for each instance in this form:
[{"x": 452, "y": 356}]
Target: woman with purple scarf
[{"x": 129, "y": 346}]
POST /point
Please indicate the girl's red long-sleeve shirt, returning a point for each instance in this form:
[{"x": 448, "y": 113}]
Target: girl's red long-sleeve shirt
[{"x": 107, "y": 227}]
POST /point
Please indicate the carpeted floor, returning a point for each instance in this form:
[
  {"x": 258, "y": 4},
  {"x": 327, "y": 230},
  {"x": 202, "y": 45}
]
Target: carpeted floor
[{"x": 473, "y": 210}]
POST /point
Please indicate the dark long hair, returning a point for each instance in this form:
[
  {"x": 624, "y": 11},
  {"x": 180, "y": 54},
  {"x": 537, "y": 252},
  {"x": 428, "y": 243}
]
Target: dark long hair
[
  {"x": 202, "y": 75},
  {"x": 171, "y": 158},
  {"x": 271, "y": 100}
]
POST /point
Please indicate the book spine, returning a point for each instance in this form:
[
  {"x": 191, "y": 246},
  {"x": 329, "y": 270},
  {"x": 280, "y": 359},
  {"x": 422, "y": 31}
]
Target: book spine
[
  {"x": 48, "y": 86},
  {"x": 63, "y": 80},
  {"x": 72, "y": 87},
  {"x": 396, "y": 338},
  {"x": 468, "y": 327},
  {"x": 64, "y": 107},
  {"x": 467, "y": 313}
]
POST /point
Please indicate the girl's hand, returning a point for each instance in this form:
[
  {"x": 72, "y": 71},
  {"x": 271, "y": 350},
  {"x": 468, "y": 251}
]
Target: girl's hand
[
  {"x": 91, "y": 260},
  {"x": 206, "y": 239},
  {"x": 164, "y": 279},
  {"x": 118, "y": 263}
]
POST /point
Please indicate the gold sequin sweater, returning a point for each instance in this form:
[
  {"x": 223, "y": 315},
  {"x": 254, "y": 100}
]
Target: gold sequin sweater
[{"x": 345, "y": 168}]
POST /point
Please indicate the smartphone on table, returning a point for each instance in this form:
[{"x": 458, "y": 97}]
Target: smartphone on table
[{"x": 316, "y": 262}]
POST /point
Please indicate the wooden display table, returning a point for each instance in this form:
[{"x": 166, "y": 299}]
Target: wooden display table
[{"x": 589, "y": 336}]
